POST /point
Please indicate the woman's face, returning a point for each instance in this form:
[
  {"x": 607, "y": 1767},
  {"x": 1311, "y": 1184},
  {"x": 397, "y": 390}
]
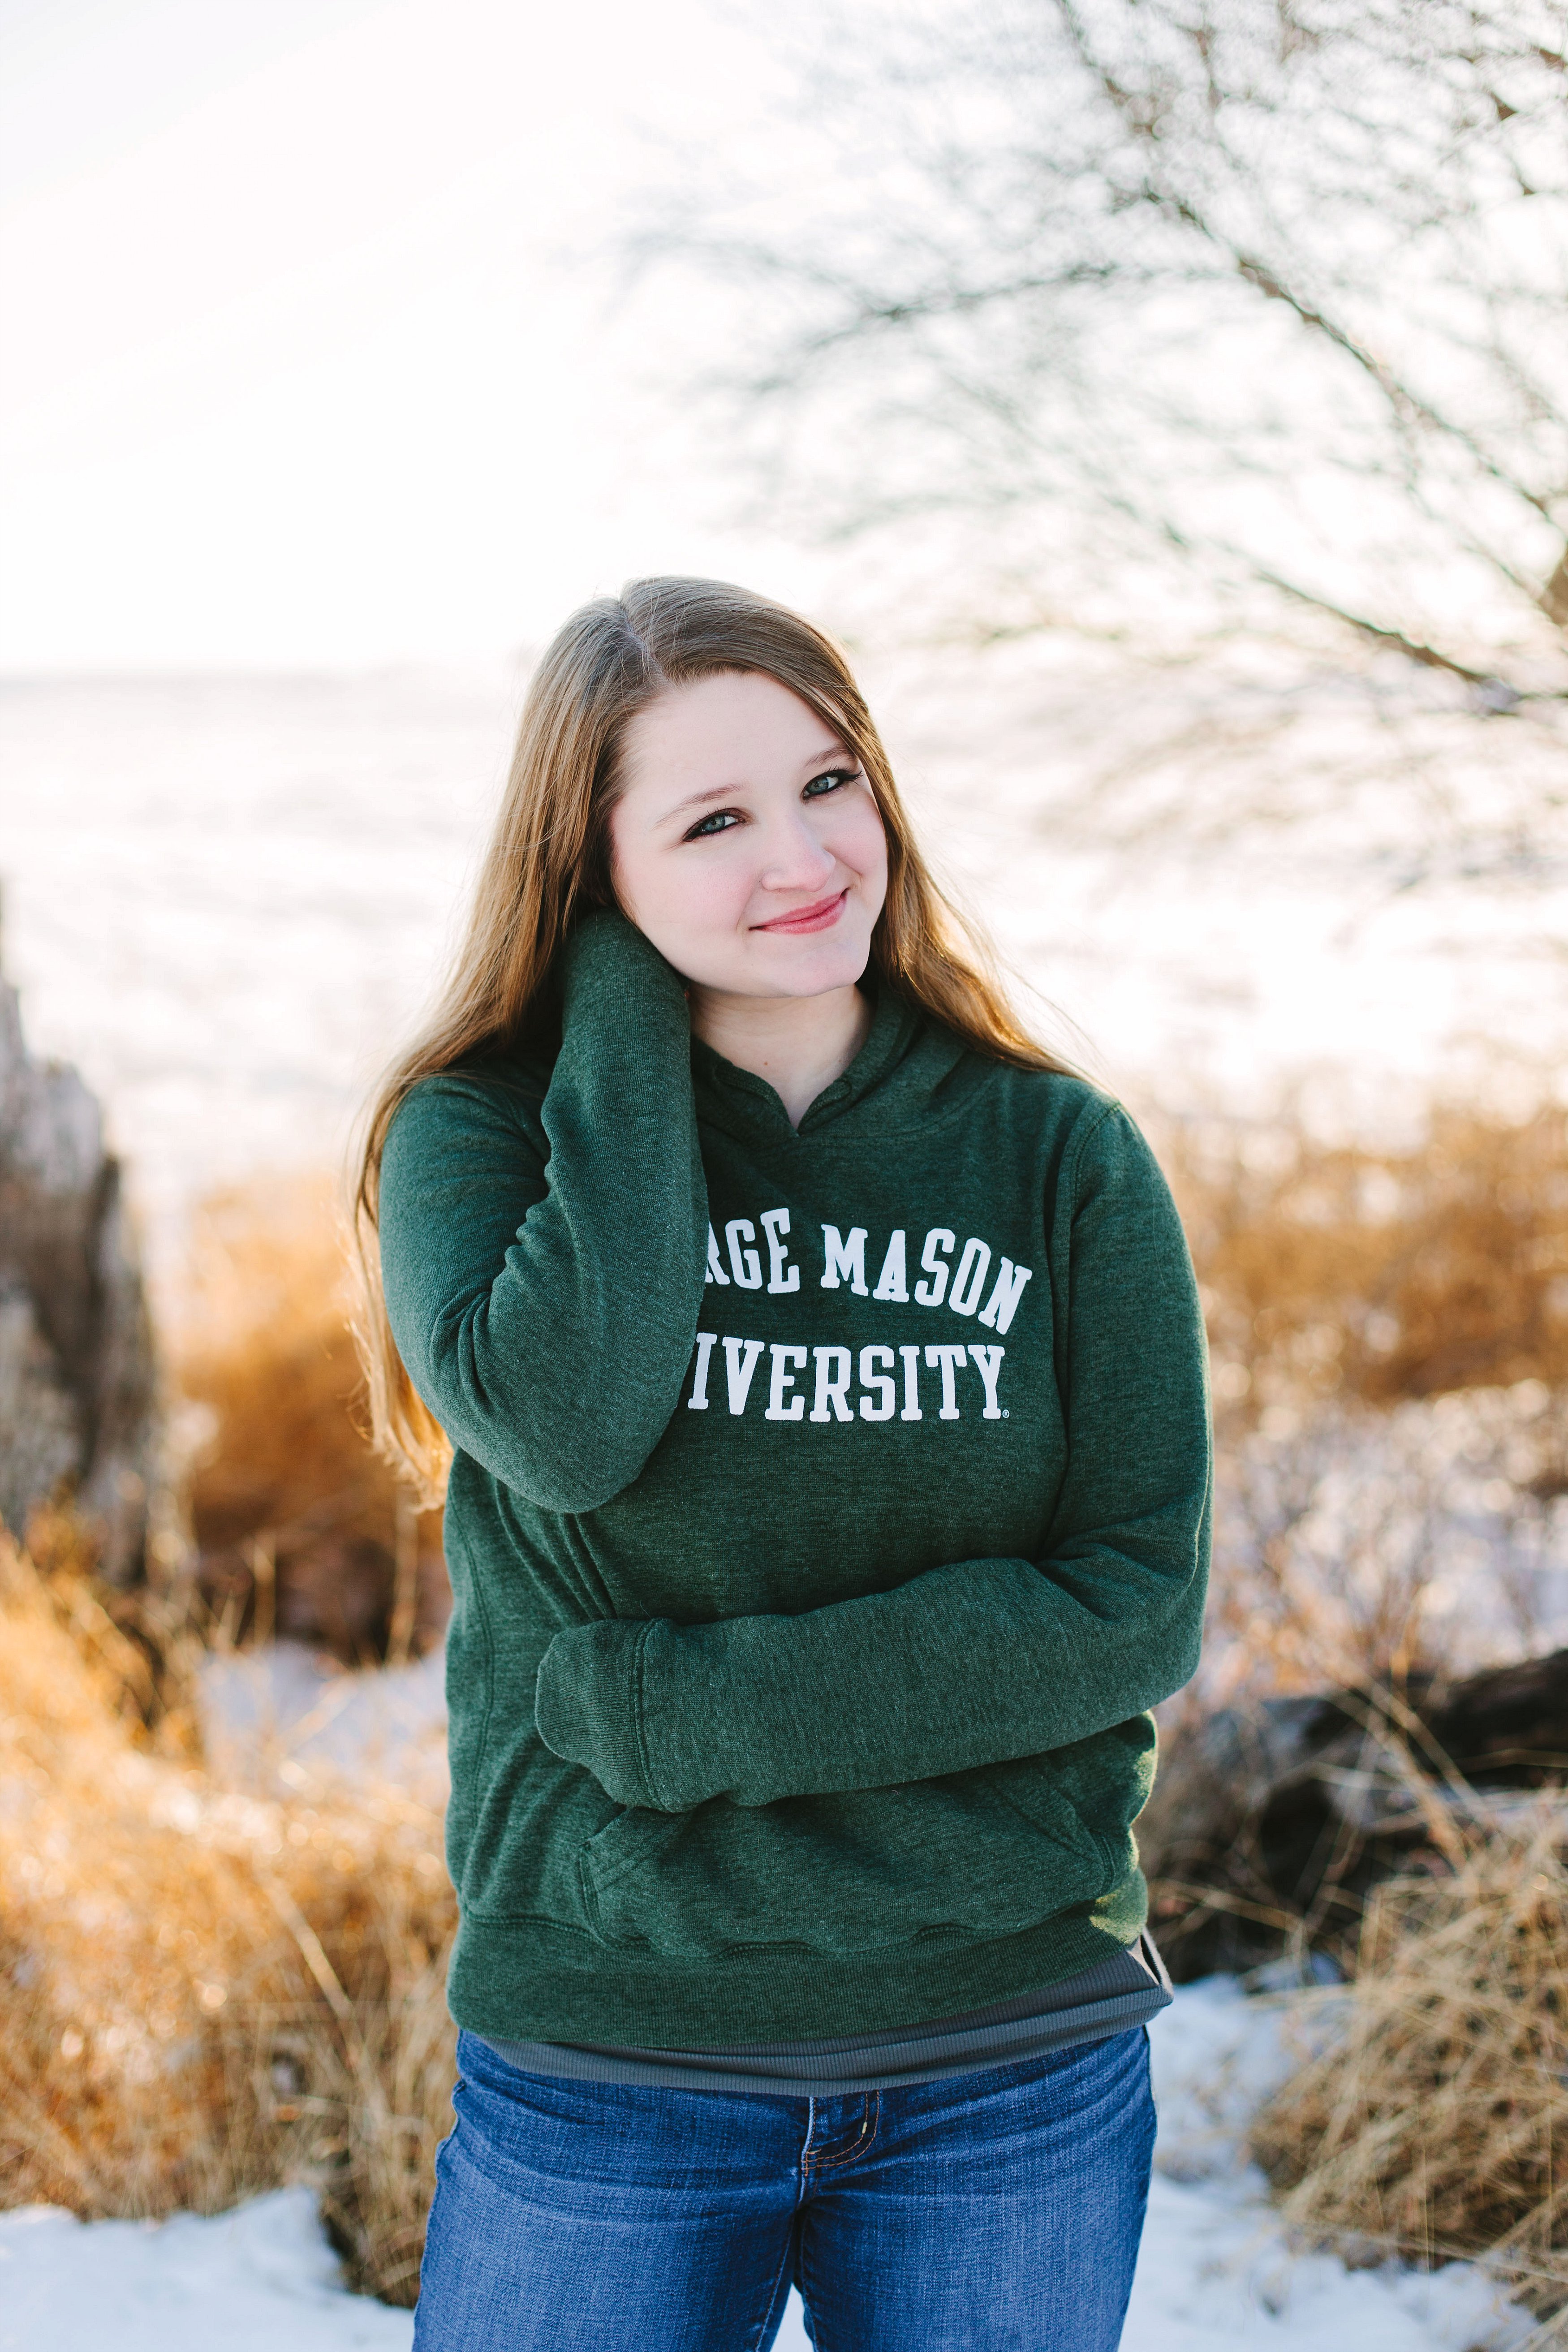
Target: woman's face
[{"x": 746, "y": 844}]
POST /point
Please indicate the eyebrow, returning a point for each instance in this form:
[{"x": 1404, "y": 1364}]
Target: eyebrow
[
  {"x": 814, "y": 766},
  {"x": 698, "y": 800}
]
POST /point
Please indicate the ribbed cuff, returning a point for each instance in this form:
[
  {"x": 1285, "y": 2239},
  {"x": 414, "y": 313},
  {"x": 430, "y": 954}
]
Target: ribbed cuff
[{"x": 587, "y": 1704}]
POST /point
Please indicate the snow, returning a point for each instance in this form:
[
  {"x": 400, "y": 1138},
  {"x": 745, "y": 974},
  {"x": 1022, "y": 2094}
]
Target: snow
[
  {"x": 1216, "y": 2273},
  {"x": 225, "y": 899},
  {"x": 250, "y": 2280},
  {"x": 285, "y": 1713}
]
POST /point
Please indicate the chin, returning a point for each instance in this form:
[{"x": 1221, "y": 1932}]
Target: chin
[{"x": 808, "y": 967}]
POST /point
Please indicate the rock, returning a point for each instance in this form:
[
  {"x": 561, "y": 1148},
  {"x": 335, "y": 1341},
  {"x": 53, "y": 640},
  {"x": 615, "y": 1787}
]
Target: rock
[
  {"x": 1270, "y": 1825},
  {"x": 1508, "y": 1727},
  {"x": 76, "y": 1374}
]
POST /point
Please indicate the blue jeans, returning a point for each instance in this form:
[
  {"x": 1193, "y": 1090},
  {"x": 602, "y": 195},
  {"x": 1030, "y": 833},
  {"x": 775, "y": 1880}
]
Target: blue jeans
[{"x": 995, "y": 2210}]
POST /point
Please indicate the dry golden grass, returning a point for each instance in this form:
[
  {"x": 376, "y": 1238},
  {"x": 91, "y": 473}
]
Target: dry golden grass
[
  {"x": 1339, "y": 1283},
  {"x": 1389, "y": 1331},
  {"x": 261, "y": 1339},
  {"x": 1330, "y": 1274},
  {"x": 1380, "y": 1274},
  {"x": 206, "y": 1992},
  {"x": 141, "y": 1645},
  {"x": 301, "y": 1528},
  {"x": 1435, "y": 2121}
]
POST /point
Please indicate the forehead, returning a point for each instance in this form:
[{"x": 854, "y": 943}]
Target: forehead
[{"x": 735, "y": 727}]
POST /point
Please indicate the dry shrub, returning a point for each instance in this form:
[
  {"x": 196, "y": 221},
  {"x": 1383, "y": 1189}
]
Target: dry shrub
[
  {"x": 1435, "y": 2121},
  {"x": 1271, "y": 1823},
  {"x": 1389, "y": 1328},
  {"x": 1340, "y": 1270},
  {"x": 301, "y": 1528},
  {"x": 205, "y": 1993},
  {"x": 140, "y": 1645},
  {"x": 1353, "y": 1544}
]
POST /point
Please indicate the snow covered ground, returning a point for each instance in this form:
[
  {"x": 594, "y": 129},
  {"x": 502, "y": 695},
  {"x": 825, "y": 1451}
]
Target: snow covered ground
[
  {"x": 250, "y": 2280},
  {"x": 275, "y": 1718},
  {"x": 1214, "y": 2275},
  {"x": 226, "y": 898}
]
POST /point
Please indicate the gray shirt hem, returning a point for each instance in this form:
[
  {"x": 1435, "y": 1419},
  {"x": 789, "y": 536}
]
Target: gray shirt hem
[{"x": 1118, "y": 1994}]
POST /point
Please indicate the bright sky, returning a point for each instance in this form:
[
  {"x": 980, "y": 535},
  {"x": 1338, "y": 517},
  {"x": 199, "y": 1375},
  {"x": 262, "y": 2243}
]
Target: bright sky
[{"x": 310, "y": 353}]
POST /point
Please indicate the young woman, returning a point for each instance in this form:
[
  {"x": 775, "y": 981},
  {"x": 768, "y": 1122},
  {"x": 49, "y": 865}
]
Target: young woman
[{"x": 823, "y": 1385}]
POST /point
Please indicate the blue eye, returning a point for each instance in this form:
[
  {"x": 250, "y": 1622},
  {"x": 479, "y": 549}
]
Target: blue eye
[
  {"x": 829, "y": 781},
  {"x": 720, "y": 822}
]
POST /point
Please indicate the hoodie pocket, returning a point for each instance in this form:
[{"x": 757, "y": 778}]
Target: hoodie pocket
[{"x": 969, "y": 1857}]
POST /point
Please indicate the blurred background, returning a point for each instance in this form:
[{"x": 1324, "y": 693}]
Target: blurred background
[{"x": 1164, "y": 399}]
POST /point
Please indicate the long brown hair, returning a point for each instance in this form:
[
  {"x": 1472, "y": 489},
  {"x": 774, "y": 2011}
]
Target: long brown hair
[{"x": 548, "y": 861}]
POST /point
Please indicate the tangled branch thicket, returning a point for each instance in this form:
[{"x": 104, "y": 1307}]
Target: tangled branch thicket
[
  {"x": 1208, "y": 351},
  {"x": 1180, "y": 302}
]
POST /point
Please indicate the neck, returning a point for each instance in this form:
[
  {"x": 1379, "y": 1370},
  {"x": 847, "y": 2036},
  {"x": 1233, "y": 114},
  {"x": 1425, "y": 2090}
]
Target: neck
[{"x": 799, "y": 1044}]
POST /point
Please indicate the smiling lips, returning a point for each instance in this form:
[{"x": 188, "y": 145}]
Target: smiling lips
[{"x": 816, "y": 918}]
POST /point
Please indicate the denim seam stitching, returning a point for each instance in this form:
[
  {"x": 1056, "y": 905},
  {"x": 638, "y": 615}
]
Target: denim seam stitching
[
  {"x": 772, "y": 2293},
  {"x": 804, "y": 2282},
  {"x": 849, "y": 2155}
]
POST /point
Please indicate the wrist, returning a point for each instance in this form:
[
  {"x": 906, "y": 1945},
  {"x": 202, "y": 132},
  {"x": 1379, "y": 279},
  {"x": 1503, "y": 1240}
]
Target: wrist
[
  {"x": 587, "y": 1704},
  {"x": 608, "y": 968}
]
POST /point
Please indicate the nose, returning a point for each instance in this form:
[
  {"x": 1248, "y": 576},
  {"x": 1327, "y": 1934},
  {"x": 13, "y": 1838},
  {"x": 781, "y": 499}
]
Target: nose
[{"x": 796, "y": 859}]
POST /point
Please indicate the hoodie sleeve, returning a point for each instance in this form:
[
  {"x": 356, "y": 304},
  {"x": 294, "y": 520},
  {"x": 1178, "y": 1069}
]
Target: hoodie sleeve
[
  {"x": 524, "y": 1285},
  {"x": 984, "y": 1660}
]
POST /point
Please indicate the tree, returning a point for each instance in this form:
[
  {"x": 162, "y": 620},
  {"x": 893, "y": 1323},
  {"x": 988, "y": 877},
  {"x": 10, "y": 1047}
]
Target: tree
[{"x": 1177, "y": 317}]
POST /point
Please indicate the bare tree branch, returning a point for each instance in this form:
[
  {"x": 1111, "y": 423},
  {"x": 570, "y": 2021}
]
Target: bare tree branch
[
  {"x": 1051, "y": 299},
  {"x": 1425, "y": 656}
]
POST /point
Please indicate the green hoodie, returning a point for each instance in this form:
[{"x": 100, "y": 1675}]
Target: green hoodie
[{"x": 827, "y": 1509}]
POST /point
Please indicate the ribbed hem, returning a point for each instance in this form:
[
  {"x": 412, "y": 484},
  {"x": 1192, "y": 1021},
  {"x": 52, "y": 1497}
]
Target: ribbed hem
[
  {"x": 529, "y": 1980},
  {"x": 1115, "y": 1996}
]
